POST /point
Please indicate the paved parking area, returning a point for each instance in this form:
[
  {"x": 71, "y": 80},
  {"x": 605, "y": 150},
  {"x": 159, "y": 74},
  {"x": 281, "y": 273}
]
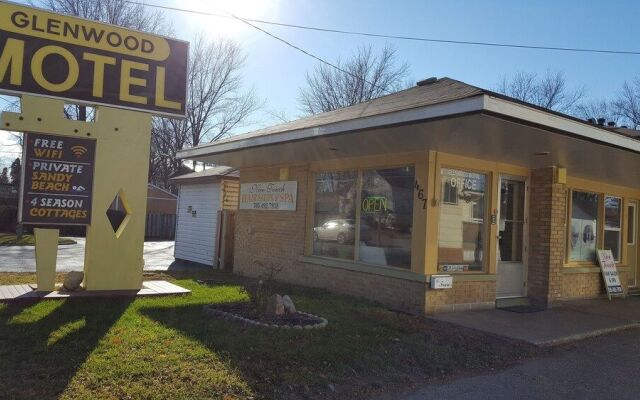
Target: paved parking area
[{"x": 158, "y": 256}]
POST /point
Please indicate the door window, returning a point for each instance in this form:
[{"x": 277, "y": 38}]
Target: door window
[
  {"x": 631, "y": 224},
  {"x": 511, "y": 228}
]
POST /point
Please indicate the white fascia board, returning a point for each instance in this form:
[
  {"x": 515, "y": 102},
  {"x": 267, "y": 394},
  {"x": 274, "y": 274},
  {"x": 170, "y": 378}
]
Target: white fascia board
[
  {"x": 451, "y": 108},
  {"x": 576, "y": 128}
]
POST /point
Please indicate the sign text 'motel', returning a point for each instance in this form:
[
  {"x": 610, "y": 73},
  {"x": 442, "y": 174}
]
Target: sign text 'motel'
[
  {"x": 57, "y": 180},
  {"x": 53, "y": 55}
]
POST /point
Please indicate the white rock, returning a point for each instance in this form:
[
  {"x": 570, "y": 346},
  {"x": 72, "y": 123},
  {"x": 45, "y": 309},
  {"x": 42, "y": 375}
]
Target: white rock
[
  {"x": 289, "y": 307},
  {"x": 73, "y": 280}
]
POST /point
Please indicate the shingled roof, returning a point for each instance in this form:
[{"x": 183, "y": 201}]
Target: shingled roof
[
  {"x": 441, "y": 91},
  {"x": 218, "y": 171}
]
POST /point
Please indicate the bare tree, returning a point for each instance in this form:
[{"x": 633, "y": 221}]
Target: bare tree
[
  {"x": 216, "y": 105},
  {"x": 116, "y": 12},
  {"x": 627, "y": 104},
  {"x": 549, "y": 91},
  {"x": 596, "y": 110},
  {"x": 365, "y": 77}
]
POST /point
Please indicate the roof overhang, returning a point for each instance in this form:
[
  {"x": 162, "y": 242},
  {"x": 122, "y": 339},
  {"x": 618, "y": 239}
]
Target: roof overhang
[{"x": 482, "y": 126}]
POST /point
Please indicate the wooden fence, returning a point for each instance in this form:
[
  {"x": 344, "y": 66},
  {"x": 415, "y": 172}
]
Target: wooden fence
[
  {"x": 160, "y": 226},
  {"x": 224, "y": 247}
]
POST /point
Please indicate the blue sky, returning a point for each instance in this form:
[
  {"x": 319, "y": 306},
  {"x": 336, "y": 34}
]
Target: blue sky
[{"x": 276, "y": 71}]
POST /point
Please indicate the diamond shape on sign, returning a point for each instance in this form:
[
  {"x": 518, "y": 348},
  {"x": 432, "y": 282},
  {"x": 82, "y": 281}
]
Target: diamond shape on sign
[{"x": 118, "y": 212}]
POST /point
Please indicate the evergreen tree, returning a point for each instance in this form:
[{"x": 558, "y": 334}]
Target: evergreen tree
[
  {"x": 15, "y": 171},
  {"x": 4, "y": 176}
]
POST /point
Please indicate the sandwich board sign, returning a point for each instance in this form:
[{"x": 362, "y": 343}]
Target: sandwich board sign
[
  {"x": 610, "y": 273},
  {"x": 57, "y": 180}
]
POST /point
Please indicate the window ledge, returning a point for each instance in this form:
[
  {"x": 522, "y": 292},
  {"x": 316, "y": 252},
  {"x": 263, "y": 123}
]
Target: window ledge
[
  {"x": 390, "y": 272},
  {"x": 589, "y": 270},
  {"x": 473, "y": 277}
]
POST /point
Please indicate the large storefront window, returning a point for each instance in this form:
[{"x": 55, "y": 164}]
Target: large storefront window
[
  {"x": 335, "y": 214},
  {"x": 463, "y": 221},
  {"x": 386, "y": 216},
  {"x": 584, "y": 224},
  {"x": 612, "y": 225}
]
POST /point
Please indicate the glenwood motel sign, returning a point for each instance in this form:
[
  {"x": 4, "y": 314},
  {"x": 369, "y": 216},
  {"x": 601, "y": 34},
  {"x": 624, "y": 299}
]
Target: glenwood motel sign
[{"x": 79, "y": 60}]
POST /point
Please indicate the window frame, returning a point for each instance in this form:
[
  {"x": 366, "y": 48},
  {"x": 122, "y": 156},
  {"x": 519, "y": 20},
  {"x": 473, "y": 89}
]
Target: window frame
[
  {"x": 634, "y": 224},
  {"x": 358, "y": 210},
  {"x": 600, "y": 225},
  {"x": 488, "y": 198},
  {"x": 619, "y": 228}
]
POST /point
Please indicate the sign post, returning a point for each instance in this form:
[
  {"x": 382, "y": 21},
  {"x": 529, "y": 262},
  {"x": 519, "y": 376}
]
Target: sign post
[
  {"x": 610, "y": 274},
  {"x": 48, "y": 58}
]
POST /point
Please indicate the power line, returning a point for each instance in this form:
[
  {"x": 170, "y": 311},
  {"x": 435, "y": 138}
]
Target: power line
[
  {"x": 396, "y": 37},
  {"x": 248, "y": 22}
]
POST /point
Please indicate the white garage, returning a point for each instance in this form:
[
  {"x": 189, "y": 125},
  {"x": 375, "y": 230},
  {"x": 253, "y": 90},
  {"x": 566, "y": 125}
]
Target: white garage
[{"x": 205, "y": 200}]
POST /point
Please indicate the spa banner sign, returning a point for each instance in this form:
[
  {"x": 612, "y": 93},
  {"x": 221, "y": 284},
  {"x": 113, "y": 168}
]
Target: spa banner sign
[
  {"x": 610, "y": 273},
  {"x": 280, "y": 196},
  {"x": 57, "y": 180},
  {"x": 48, "y": 54}
]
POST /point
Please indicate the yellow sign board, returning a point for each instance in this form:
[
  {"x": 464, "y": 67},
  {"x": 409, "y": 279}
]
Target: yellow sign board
[{"x": 48, "y": 54}]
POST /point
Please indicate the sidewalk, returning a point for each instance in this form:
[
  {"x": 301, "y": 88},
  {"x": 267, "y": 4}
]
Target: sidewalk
[{"x": 571, "y": 321}]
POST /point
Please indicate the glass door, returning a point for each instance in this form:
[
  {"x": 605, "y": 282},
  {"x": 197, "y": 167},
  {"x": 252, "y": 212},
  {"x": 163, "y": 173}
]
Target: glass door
[{"x": 511, "y": 238}]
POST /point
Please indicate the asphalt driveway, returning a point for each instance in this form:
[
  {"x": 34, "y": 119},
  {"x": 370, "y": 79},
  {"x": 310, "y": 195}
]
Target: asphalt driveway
[
  {"x": 606, "y": 367},
  {"x": 158, "y": 256}
]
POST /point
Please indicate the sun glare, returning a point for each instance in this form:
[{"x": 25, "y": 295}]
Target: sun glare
[{"x": 227, "y": 26}]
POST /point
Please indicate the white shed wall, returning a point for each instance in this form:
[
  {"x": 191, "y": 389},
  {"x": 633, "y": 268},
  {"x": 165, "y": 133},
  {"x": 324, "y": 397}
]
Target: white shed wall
[{"x": 196, "y": 236}]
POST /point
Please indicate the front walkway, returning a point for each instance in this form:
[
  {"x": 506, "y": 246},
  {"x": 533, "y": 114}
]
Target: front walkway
[
  {"x": 570, "y": 321},
  {"x": 158, "y": 256}
]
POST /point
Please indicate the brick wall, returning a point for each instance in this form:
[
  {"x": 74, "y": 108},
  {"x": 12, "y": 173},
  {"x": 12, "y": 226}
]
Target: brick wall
[
  {"x": 547, "y": 233},
  {"x": 463, "y": 296},
  {"x": 588, "y": 285}
]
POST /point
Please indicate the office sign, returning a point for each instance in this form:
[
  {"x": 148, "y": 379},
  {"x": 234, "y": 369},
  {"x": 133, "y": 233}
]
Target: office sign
[
  {"x": 610, "y": 273},
  {"x": 57, "y": 180},
  {"x": 48, "y": 54},
  {"x": 269, "y": 196}
]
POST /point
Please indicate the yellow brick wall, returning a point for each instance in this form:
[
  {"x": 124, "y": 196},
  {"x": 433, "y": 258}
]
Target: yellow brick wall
[
  {"x": 463, "y": 296},
  {"x": 587, "y": 285}
]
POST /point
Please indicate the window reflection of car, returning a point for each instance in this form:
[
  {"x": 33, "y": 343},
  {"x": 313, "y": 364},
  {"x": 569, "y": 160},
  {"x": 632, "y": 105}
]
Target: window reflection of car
[{"x": 338, "y": 230}]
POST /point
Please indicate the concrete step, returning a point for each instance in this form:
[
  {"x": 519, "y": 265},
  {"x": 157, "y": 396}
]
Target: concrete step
[
  {"x": 513, "y": 301},
  {"x": 633, "y": 291}
]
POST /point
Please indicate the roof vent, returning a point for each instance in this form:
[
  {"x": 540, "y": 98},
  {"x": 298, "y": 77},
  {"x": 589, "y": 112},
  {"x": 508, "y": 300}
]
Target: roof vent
[{"x": 427, "y": 81}]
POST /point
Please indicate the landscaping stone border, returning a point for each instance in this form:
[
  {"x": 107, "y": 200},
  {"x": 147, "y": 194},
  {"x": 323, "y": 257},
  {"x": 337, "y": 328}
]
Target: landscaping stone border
[{"x": 211, "y": 310}]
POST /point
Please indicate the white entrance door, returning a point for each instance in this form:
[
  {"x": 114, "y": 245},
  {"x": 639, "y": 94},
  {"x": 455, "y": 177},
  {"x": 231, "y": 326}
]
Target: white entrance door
[
  {"x": 632, "y": 240},
  {"x": 511, "y": 238}
]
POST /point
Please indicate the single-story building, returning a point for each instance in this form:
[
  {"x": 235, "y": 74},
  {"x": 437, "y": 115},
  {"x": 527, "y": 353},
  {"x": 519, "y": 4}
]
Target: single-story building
[
  {"x": 202, "y": 197},
  {"x": 373, "y": 200}
]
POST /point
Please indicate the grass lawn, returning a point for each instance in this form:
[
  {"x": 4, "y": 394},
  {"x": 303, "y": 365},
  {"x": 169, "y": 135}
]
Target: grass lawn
[
  {"x": 10, "y": 239},
  {"x": 167, "y": 348}
]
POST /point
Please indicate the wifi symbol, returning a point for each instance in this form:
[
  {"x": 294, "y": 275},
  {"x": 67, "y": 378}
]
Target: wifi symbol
[{"x": 79, "y": 151}]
